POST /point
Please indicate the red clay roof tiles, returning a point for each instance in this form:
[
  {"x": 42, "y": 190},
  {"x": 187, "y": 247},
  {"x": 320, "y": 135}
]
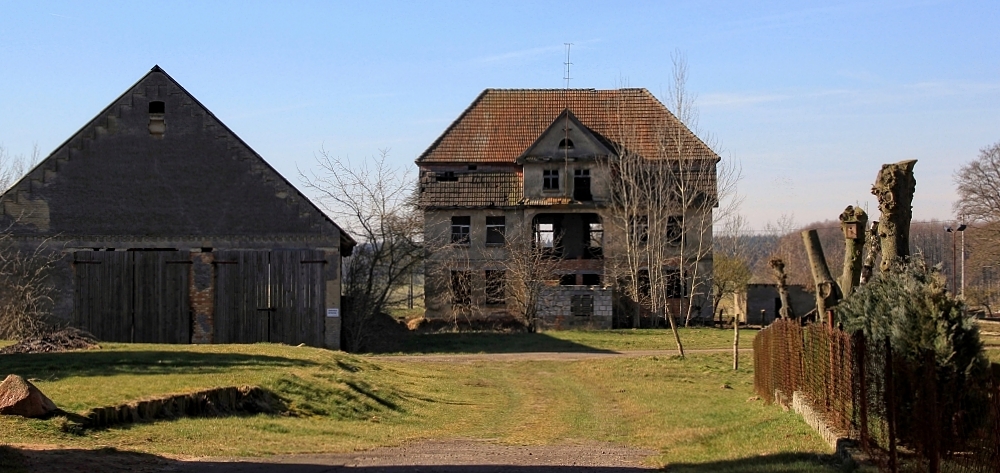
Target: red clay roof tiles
[{"x": 502, "y": 123}]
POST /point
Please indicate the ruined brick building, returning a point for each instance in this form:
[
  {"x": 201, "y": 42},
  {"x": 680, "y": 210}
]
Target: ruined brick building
[
  {"x": 173, "y": 230},
  {"x": 534, "y": 165}
]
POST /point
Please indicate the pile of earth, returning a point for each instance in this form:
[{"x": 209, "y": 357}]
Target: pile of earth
[{"x": 68, "y": 338}]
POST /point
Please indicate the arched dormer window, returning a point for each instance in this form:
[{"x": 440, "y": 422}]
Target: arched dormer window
[{"x": 566, "y": 143}]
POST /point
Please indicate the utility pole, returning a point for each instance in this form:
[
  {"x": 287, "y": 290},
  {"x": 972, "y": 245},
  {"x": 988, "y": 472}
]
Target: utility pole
[{"x": 955, "y": 287}]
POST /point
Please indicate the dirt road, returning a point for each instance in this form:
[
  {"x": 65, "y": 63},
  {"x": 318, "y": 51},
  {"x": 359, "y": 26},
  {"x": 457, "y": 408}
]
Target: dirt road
[
  {"x": 547, "y": 356},
  {"x": 433, "y": 456}
]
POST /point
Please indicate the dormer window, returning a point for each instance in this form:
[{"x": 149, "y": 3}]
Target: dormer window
[
  {"x": 565, "y": 144},
  {"x": 157, "y": 124}
]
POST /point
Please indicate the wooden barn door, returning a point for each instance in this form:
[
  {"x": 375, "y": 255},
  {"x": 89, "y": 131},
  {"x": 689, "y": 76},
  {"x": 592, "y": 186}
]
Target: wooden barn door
[
  {"x": 298, "y": 297},
  {"x": 269, "y": 296},
  {"x": 241, "y": 297},
  {"x": 133, "y": 296}
]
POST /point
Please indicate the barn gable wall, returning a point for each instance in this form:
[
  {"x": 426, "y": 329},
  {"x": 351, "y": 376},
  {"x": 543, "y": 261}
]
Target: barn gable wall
[{"x": 120, "y": 176}]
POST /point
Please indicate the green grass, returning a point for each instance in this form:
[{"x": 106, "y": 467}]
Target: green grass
[
  {"x": 573, "y": 341},
  {"x": 696, "y": 412}
]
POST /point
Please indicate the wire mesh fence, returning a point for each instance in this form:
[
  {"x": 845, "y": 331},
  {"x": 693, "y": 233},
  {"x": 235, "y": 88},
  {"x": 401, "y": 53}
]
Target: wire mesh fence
[{"x": 908, "y": 411}]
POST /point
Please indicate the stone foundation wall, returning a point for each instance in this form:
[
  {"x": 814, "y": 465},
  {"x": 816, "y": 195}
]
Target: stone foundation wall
[{"x": 555, "y": 308}]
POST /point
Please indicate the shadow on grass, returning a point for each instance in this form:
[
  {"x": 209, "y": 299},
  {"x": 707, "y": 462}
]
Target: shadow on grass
[
  {"x": 112, "y": 460},
  {"x": 775, "y": 463},
  {"x": 489, "y": 342},
  {"x": 53, "y": 366}
]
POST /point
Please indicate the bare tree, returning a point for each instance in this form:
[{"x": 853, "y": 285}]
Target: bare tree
[
  {"x": 376, "y": 204},
  {"x": 663, "y": 209},
  {"x": 668, "y": 204},
  {"x": 25, "y": 287},
  {"x": 730, "y": 266},
  {"x": 978, "y": 185},
  {"x": 705, "y": 189},
  {"x": 26, "y": 290},
  {"x": 12, "y": 167},
  {"x": 528, "y": 269}
]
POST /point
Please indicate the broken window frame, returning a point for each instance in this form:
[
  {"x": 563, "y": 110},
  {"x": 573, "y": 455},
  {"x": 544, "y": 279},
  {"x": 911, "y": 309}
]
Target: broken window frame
[
  {"x": 674, "y": 284},
  {"x": 496, "y": 286},
  {"x": 545, "y": 238},
  {"x": 461, "y": 232},
  {"x": 639, "y": 228},
  {"x": 461, "y": 287},
  {"x": 675, "y": 229},
  {"x": 594, "y": 240},
  {"x": 496, "y": 230}
]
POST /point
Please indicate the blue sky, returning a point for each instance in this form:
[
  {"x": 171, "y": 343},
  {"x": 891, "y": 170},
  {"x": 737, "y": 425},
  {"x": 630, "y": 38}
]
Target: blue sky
[{"x": 810, "y": 97}]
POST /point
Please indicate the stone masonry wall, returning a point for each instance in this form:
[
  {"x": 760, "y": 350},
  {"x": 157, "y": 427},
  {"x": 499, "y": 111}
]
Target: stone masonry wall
[{"x": 555, "y": 308}]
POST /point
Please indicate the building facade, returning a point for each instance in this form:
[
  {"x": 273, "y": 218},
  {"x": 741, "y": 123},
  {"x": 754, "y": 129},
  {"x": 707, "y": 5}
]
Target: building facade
[
  {"x": 170, "y": 229},
  {"x": 536, "y": 170}
]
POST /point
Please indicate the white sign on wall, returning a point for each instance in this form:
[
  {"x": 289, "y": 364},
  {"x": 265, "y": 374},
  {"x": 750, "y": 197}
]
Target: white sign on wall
[{"x": 332, "y": 312}]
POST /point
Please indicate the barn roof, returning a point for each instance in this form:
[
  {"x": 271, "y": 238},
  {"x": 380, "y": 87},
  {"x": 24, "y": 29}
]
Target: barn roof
[{"x": 119, "y": 176}]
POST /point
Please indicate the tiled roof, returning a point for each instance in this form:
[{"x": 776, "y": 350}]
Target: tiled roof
[
  {"x": 476, "y": 189},
  {"x": 548, "y": 201},
  {"x": 502, "y": 123}
]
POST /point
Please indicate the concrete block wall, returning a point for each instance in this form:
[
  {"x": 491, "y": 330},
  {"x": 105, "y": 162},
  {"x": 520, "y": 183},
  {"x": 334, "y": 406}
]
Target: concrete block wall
[{"x": 555, "y": 308}]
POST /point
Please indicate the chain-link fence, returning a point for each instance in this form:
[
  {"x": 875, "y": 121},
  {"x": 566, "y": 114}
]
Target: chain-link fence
[{"x": 908, "y": 412}]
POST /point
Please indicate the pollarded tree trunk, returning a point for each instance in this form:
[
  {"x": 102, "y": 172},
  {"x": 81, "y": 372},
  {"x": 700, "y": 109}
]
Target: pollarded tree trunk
[
  {"x": 827, "y": 292},
  {"x": 894, "y": 189},
  {"x": 854, "y": 223},
  {"x": 781, "y": 278}
]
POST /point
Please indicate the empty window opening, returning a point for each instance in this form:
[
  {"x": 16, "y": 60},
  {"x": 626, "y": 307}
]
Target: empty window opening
[
  {"x": 675, "y": 228},
  {"x": 460, "y": 229},
  {"x": 545, "y": 235},
  {"x": 495, "y": 230},
  {"x": 565, "y": 144},
  {"x": 550, "y": 179},
  {"x": 581, "y": 185},
  {"x": 496, "y": 287},
  {"x": 673, "y": 284},
  {"x": 473, "y": 167},
  {"x": 157, "y": 124},
  {"x": 642, "y": 283},
  {"x": 447, "y": 176},
  {"x": 567, "y": 280},
  {"x": 461, "y": 287},
  {"x": 591, "y": 279},
  {"x": 595, "y": 240},
  {"x": 582, "y": 305},
  {"x": 640, "y": 228}
]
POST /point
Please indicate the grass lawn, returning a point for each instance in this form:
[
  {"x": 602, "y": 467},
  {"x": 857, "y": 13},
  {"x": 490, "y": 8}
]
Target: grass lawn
[
  {"x": 573, "y": 341},
  {"x": 696, "y": 412}
]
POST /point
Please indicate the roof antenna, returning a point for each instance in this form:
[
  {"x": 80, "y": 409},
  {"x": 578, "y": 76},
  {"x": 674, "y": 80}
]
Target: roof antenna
[{"x": 567, "y": 63}]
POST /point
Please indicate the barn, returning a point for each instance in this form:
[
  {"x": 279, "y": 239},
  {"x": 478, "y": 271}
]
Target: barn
[{"x": 171, "y": 229}]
